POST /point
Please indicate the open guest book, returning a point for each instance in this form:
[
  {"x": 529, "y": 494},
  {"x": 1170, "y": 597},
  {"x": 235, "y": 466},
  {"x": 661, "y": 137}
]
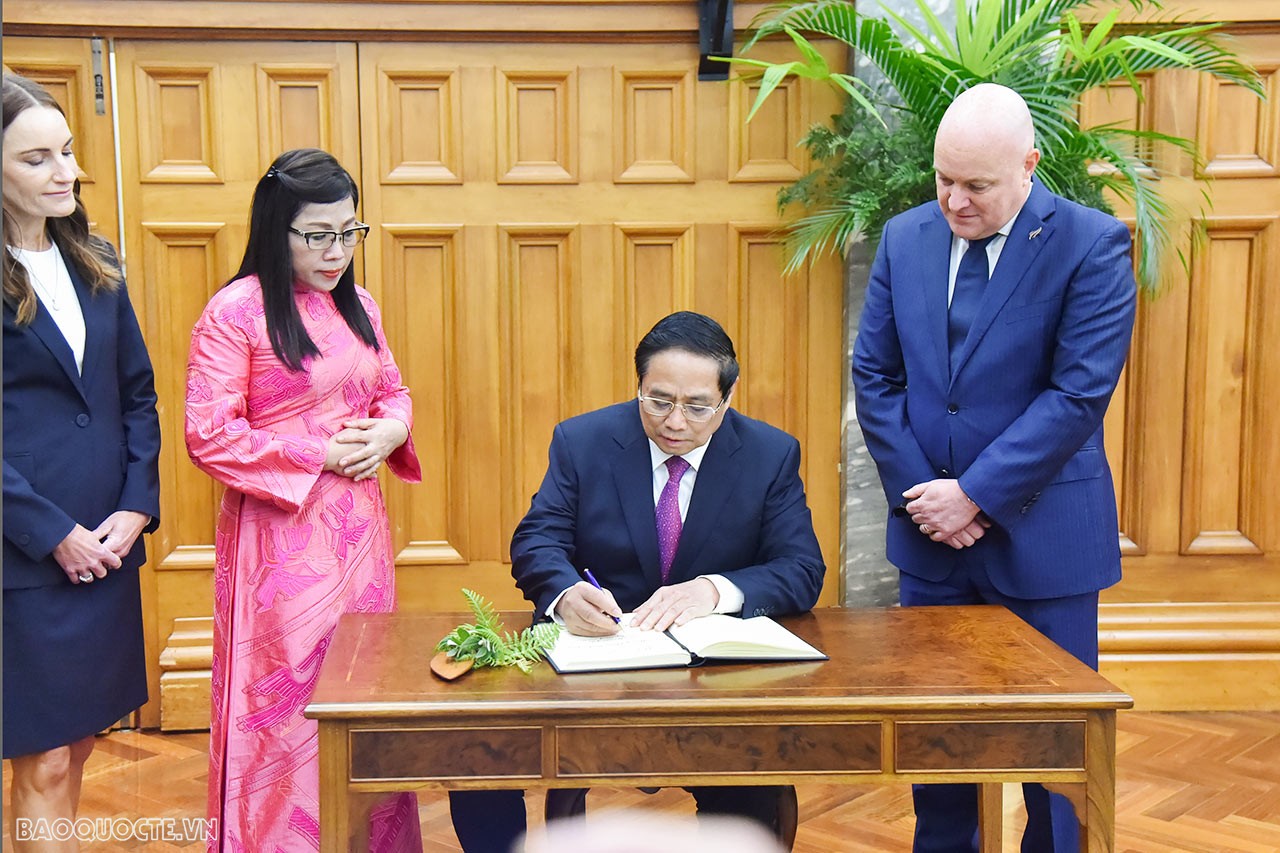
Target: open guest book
[{"x": 715, "y": 637}]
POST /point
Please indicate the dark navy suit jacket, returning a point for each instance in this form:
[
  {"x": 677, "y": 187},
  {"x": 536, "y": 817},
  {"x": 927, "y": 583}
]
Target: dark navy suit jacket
[
  {"x": 76, "y": 448},
  {"x": 747, "y": 520},
  {"x": 1019, "y": 419}
]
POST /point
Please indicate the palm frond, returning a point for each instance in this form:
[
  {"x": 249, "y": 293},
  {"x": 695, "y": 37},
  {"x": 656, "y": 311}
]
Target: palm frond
[
  {"x": 1043, "y": 49},
  {"x": 1156, "y": 221},
  {"x": 821, "y": 232}
]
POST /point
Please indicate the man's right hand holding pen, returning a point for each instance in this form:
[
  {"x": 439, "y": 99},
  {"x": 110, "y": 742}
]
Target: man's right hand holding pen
[{"x": 589, "y": 609}]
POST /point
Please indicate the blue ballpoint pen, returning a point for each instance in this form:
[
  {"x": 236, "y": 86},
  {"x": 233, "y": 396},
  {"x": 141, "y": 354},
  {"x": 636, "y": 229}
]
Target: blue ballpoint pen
[{"x": 591, "y": 579}]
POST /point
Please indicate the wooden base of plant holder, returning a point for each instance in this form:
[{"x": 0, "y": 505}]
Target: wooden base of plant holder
[{"x": 447, "y": 668}]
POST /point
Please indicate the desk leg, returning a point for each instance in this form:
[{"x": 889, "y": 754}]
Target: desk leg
[
  {"x": 359, "y": 807},
  {"x": 1100, "y": 779},
  {"x": 335, "y": 761},
  {"x": 991, "y": 817},
  {"x": 1095, "y": 800}
]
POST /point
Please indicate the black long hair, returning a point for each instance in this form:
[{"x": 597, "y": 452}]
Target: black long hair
[
  {"x": 298, "y": 177},
  {"x": 91, "y": 255}
]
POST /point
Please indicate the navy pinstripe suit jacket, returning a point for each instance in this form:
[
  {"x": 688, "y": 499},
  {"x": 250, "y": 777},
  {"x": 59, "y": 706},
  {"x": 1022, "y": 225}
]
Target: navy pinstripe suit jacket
[{"x": 1019, "y": 420}]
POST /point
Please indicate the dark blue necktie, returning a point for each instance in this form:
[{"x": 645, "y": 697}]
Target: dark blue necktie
[{"x": 971, "y": 281}]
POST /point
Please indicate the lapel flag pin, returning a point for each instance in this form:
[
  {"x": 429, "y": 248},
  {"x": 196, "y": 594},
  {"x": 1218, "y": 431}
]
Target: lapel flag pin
[{"x": 1034, "y": 234}]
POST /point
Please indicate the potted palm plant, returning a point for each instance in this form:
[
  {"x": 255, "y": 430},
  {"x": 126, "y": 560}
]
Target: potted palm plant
[{"x": 875, "y": 160}]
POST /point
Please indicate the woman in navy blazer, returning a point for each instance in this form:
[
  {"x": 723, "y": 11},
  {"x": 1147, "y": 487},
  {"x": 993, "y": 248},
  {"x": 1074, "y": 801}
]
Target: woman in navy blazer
[{"x": 81, "y": 472}]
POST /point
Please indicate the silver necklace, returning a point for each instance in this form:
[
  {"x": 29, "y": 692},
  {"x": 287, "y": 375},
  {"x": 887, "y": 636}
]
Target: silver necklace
[{"x": 49, "y": 295}]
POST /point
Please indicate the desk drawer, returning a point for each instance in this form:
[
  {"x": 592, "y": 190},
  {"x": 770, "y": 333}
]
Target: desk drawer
[
  {"x": 442, "y": 754},
  {"x": 927, "y": 746},
  {"x": 717, "y": 749}
]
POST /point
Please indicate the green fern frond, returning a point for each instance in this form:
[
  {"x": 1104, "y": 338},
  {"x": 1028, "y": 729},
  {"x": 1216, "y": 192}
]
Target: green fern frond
[
  {"x": 486, "y": 617},
  {"x": 486, "y": 643},
  {"x": 530, "y": 645}
]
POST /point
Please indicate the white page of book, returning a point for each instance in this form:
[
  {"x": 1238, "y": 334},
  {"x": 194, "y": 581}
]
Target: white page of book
[
  {"x": 630, "y": 646},
  {"x": 758, "y": 635}
]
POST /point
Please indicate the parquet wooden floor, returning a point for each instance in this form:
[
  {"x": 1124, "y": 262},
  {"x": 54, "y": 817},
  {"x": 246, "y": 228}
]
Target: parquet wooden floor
[{"x": 1187, "y": 783}]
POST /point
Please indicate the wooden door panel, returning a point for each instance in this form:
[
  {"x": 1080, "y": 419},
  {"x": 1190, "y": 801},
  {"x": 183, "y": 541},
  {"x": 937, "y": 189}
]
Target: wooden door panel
[
  {"x": 419, "y": 321},
  {"x": 1221, "y": 481},
  {"x": 594, "y": 197},
  {"x": 654, "y": 143},
  {"x": 538, "y": 279}
]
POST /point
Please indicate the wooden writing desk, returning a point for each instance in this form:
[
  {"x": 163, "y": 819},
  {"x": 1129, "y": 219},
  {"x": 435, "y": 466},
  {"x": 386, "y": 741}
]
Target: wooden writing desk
[{"x": 937, "y": 694}]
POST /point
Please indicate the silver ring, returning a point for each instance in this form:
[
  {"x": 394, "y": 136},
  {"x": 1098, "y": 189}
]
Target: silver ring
[{"x": 86, "y": 577}]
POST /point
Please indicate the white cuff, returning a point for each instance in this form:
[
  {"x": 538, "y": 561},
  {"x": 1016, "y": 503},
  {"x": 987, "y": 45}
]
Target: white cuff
[
  {"x": 731, "y": 598},
  {"x": 551, "y": 608}
]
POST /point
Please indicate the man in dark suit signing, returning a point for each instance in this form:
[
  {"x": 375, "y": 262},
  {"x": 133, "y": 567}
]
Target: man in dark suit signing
[
  {"x": 995, "y": 327},
  {"x": 680, "y": 506}
]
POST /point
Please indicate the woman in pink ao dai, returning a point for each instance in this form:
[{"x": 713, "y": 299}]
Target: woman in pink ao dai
[{"x": 293, "y": 403}]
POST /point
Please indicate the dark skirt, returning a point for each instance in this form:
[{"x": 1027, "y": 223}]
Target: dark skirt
[{"x": 74, "y": 662}]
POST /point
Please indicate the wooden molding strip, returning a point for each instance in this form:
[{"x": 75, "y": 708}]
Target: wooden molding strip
[
  {"x": 185, "y": 675},
  {"x": 1189, "y": 627},
  {"x": 1193, "y": 656},
  {"x": 488, "y": 20}
]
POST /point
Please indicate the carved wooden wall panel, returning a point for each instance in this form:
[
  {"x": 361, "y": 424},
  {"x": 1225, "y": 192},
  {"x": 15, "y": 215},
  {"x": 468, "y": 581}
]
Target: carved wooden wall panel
[
  {"x": 423, "y": 135},
  {"x": 771, "y": 311},
  {"x": 656, "y": 275},
  {"x": 181, "y": 252},
  {"x": 294, "y": 107},
  {"x": 1222, "y": 479},
  {"x": 537, "y": 126},
  {"x": 657, "y": 117},
  {"x": 418, "y": 318},
  {"x": 538, "y": 276},
  {"x": 767, "y": 148},
  {"x": 1238, "y": 134},
  {"x": 182, "y": 141}
]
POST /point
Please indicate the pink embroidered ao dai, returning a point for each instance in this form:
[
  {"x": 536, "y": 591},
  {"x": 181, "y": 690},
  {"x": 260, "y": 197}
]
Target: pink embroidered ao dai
[{"x": 296, "y": 547}]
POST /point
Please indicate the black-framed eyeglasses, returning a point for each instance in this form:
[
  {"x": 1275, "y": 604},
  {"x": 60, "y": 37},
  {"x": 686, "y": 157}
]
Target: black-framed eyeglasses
[
  {"x": 317, "y": 240},
  {"x": 660, "y": 408}
]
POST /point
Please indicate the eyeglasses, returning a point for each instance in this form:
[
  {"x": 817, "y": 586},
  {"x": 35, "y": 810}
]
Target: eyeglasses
[
  {"x": 324, "y": 239},
  {"x": 661, "y": 408}
]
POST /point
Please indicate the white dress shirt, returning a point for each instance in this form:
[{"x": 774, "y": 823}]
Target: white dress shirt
[
  {"x": 48, "y": 274},
  {"x": 959, "y": 246}
]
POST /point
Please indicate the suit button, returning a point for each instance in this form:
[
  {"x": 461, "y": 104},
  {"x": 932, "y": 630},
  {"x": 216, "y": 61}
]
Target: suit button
[
  {"x": 946, "y": 472},
  {"x": 24, "y": 539},
  {"x": 82, "y": 420},
  {"x": 952, "y": 408}
]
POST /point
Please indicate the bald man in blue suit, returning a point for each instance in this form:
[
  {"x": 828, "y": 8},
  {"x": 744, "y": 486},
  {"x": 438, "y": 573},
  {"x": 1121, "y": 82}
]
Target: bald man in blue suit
[{"x": 982, "y": 403}]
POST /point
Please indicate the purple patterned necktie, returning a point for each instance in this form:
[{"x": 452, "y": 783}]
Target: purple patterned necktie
[{"x": 668, "y": 514}]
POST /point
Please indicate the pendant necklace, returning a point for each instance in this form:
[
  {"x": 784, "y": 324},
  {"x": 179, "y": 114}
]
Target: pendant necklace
[{"x": 49, "y": 295}]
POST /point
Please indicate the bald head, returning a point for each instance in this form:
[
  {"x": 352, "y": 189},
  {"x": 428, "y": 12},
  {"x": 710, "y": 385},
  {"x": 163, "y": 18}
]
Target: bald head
[
  {"x": 988, "y": 115},
  {"x": 983, "y": 156}
]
